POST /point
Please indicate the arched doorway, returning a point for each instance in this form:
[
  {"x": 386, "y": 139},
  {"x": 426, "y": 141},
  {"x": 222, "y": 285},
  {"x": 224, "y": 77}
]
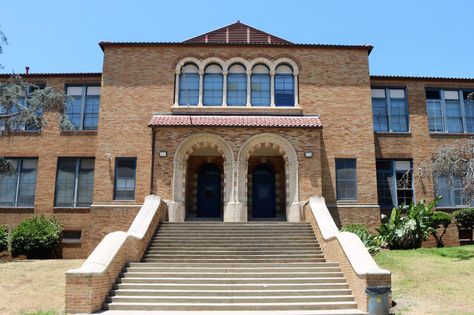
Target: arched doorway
[
  {"x": 209, "y": 191},
  {"x": 263, "y": 191}
]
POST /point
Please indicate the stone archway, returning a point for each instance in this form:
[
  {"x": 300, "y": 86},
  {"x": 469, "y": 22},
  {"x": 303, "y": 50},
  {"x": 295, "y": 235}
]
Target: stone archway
[
  {"x": 288, "y": 152},
  {"x": 177, "y": 212}
]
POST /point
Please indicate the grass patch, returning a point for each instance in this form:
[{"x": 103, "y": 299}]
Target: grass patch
[
  {"x": 34, "y": 287},
  {"x": 431, "y": 280}
]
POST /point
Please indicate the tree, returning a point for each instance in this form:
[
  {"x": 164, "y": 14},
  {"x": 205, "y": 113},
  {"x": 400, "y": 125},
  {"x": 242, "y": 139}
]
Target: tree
[
  {"x": 23, "y": 104},
  {"x": 439, "y": 219},
  {"x": 3, "y": 41}
]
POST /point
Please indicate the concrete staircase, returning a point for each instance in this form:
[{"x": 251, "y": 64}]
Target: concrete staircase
[{"x": 226, "y": 267}]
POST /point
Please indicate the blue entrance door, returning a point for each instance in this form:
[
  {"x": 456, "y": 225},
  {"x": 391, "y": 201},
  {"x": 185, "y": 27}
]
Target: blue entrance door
[
  {"x": 209, "y": 191},
  {"x": 263, "y": 192}
]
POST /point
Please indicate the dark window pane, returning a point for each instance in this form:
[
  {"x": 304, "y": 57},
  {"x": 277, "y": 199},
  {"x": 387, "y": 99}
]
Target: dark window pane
[
  {"x": 213, "y": 85},
  {"x": 260, "y": 90},
  {"x": 379, "y": 109},
  {"x": 85, "y": 183},
  {"x": 284, "y": 90},
  {"x": 346, "y": 179},
  {"x": 125, "y": 179},
  {"x": 91, "y": 112},
  {"x": 27, "y": 183},
  {"x": 188, "y": 89},
  {"x": 433, "y": 95},
  {"x": 237, "y": 89},
  {"x": 65, "y": 182},
  {"x": 8, "y": 186}
]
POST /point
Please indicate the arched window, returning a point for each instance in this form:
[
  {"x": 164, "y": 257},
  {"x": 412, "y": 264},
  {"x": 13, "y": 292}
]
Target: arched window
[
  {"x": 213, "y": 85},
  {"x": 189, "y": 85},
  {"x": 284, "y": 86},
  {"x": 260, "y": 85},
  {"x": 237, "y": 86}
]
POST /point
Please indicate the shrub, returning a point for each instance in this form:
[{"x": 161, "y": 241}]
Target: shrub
[
  {"x": 408, "y": 226},
  {"x": 370, "y": 241},
  {"x": 439, "y": 219},
  {"x": 465, "y": 219},
  {"x": 36, "y": 237},
  {"x": 3, "y": 239}
]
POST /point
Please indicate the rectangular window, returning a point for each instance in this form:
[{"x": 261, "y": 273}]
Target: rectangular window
[
  {"x": 125, "y": 169},
  {"x": 74, "y": 182},
  {"x": 394, "y": 183},
  {"x": 71, "y": 236},
  {"x": 390, "y": 110},
  {"x": 20, "y": 124},
  {"x": 346, "y": 179},
  {"x": 452, "y": 192},
  {"x": 18, "y": 189},
  {"x": 188, "y": 89},
  {"x": 83, "y": 106},
  {"x": 450, "y": 111},
  {"x": 213, "y": 85}
]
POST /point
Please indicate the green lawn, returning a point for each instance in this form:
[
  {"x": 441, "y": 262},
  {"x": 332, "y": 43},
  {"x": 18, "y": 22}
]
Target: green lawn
[{"x": 431, "y": 280}]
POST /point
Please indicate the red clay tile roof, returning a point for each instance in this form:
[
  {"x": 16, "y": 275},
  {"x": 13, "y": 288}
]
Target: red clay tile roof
[
  {"x": 237, "y": 33},
  {"x": 235, "y": 121}
]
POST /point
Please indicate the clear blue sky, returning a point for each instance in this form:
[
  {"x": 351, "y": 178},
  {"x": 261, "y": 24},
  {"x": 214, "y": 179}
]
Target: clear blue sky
[{"x": 411, "y": 37}]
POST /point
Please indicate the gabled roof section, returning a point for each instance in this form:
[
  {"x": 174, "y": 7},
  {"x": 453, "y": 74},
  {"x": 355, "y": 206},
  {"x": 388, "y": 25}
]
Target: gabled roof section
[{"x": 237, "y": 33}]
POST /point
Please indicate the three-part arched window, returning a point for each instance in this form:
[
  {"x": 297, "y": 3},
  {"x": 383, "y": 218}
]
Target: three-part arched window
[{"x": 237, "y": 82}]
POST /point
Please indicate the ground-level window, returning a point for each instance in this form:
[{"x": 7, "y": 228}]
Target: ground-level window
[
  {"x": 125, "y": 169},
  {"x": 71, "y": 236},
  {"x": 452, "y": 192},
  {"x": 18, "y": 189},
  {"x": 346, "y": 179},
  {"x": 74, "y": 182},
  {"x": 394, "y": 183}
]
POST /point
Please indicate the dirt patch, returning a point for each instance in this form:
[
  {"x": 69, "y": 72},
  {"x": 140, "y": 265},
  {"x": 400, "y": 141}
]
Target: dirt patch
[{"x": 33, "y": 285}]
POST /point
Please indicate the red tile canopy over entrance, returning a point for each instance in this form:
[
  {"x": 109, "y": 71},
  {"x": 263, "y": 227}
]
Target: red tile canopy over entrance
[{"x": 236, "y": 121}]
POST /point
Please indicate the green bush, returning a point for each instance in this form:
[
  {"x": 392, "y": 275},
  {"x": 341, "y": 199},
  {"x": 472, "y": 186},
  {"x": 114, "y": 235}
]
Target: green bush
[
  {"x": 3, "y": 239},
  {"x": 36, "y": 237},
  {"x": 465, "y": 219},
  {"x": 439, "y": 219},
  {"x": 370, "y": 241},
  {"x": 408, "y": 226}
]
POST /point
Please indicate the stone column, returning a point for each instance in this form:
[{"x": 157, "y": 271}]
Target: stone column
[
  {"x": 293, "y": 211},
  {"x": 201, "y": 85},
  {"x": 272, "y": 89},
  {"x": 249, "y": 88},
  {"x": 234, "y": 210},
  {"x": 176, "y": 92},
  {"x": 176, "y": 208},
  {"x": 296, "y": 90},
  {"x": 224, "y": 89}
]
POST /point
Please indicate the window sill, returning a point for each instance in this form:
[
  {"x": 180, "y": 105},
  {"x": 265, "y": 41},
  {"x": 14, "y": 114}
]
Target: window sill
[
  {"x": 395, "y": 134},
  {"x": 71, "y": 242},
  {"x": 243, "y": 110},
  {"x": 78, "y": 132},
  {"x": 447, "y": 134},
  {"x": 22, "y": 133},
  {"x": 6, "y": 209},
  {"x": 453, "y": 208},
  {"x": 71, "y": 210}
]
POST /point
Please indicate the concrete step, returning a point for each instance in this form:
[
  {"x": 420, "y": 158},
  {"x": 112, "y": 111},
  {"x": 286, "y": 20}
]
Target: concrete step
[
  {"x": 201, "y": 243},
  {"x": 223, "y": 251},
  {"x": 226, "y": 280},
  {"x": 232, "y": 306},
  {"x": 308, "y": 292},
  {"x": 235, "y": 265},
  {"x": 254, "y": 269},
  {"x": 233, "y": 261},
  {"x": 212, "y": 275},
  {"x": 233, "y": 237},
  {"x": 231, "y": 286},
  {"x": 232, "y": 256},
  {"x": 350, "y": 311},
  {"x": 228, "y": 299},
  {"x": 159, "y": 245}
]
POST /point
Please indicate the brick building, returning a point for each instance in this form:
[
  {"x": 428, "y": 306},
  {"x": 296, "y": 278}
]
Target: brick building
[{"x": 232, "y": 125}]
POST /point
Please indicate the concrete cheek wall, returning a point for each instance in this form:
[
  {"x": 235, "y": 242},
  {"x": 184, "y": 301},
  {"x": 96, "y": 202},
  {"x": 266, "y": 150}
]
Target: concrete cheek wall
[{"x": 345, "y": 248}]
